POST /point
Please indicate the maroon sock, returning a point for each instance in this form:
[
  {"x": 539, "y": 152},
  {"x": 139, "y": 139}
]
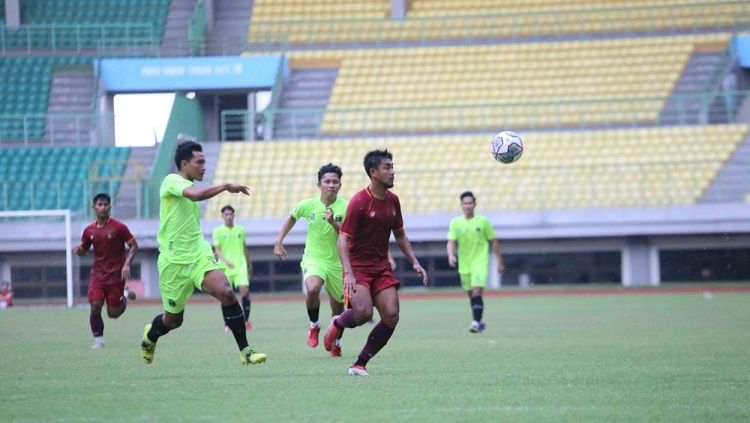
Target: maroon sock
[
  {"x": 97, "y": 324},
  {"x": 377, "y": 339},
  {"x": 345, "y": 320}
]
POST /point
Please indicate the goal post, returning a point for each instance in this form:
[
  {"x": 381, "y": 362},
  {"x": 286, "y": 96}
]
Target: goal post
[{"x": 37, "y": 240}]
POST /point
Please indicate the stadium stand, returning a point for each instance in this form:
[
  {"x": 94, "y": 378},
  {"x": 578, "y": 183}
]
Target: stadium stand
[
  {"x": 76, "y": 24},
  {"x": 559, "y": 170},
  {"x": 58, "y": 177},
  {"x": 290, "y": 22}
]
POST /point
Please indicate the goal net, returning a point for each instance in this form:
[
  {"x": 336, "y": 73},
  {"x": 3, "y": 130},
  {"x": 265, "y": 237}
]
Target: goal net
[{"x": 36, "y": 257}]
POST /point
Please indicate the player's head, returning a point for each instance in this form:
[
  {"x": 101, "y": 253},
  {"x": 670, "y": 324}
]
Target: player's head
[
  {"x": 329, "y": 180},
  {"x": 190, "y": 161},
  {"x": 379, "y": 167},
  {"x": 102, "y": 204},
  {"x": 468, "y": 202},
  {"x": 5, "y": 286},
  {"x": 227, "y": 213}
]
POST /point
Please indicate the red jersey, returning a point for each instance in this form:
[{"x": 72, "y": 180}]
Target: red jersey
[
  {"x": 109, "y": 249},
  {"x": 368, "y": 224}
]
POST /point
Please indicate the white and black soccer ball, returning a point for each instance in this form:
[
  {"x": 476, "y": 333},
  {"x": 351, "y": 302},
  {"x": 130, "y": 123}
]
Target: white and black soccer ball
[{"x": 507, "y": 147}]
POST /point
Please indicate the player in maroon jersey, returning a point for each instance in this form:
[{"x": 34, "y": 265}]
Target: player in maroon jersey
[
  {"x": 372, "y": 215},
  {"x": 111, "y": 267}
]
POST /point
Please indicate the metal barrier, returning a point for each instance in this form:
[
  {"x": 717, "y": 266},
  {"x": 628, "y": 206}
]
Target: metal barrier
[{"x": 104, "y": 38}]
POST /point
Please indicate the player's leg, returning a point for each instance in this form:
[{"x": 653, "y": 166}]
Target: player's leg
[
  {"x": 96, "y": 301},
  {"x": 386, "y": 301},
  {"x": 360, "y": 311},
  {"x": 215, "y": 284},
  {"x": 231, "y": 279},
  {"x": 245, "y": 299},
  {"x": 334, "y": 287},
  {"x": 176, "y": 287},
  {"x": 97, "y": 324},
  {"x": 117, "y": 300},
  {"x": 477, "y": 283},
  {"x": 313, "y": 284}
]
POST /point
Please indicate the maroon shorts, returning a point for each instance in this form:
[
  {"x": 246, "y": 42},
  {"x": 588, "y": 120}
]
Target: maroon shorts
[
  {"x": 113, "y": 293},
  {"x": 376, "y": 280}
]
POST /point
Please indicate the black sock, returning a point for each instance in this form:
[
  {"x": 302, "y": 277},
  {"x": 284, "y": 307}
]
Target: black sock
[
  {"x": 157, "y": 329},
  {"x": 246, "y": 307},
  {"x": 477, "y": 307},
  {"x": 313, "y": 314},
  {"x": 234, "y": 318}
]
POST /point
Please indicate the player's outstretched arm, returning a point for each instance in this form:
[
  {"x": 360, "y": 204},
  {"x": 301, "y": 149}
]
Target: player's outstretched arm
[
  {"x": 403, "y": 242},
  {"x": 278, "y": 245},
  {"x": 204, "y": 193}
]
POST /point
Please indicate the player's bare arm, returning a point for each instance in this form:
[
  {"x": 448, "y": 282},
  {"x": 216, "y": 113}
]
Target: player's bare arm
[
  {"x": 403, "y": 242},
  {"x": 80, "y": 251},
  {"x": 498, "y": 255},
  {"x": 248, "y": 261},
  {"x": 278, "y": 245},
  {"x": 204, "y": 193},
  {"x": 133, "y": 249},
  {"x": 451, "y": 248},
  {"x": 222, "y": 258},
  {"x": 350, "y": 283}
]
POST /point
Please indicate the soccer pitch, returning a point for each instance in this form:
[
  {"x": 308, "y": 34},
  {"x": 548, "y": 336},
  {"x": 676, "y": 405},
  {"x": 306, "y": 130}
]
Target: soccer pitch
[{"x": 664, "y": 357}]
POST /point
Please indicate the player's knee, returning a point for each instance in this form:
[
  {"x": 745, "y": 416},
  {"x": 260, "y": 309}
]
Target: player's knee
[
  {"x": 363, "y": 316},
  {"x": 114, "y": 313},
  {"x": 390, "y": 319},
  {"x": 226, "y": 297},
  {"x": 174, "y": 323},
  {"x": 313, "y": 290}
]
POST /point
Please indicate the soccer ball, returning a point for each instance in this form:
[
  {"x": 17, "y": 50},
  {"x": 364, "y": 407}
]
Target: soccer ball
[{"x": 507, "y": 147}]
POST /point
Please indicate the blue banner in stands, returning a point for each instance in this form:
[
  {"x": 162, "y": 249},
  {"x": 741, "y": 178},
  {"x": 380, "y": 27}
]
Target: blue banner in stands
[{"x": 191, "y": 73}]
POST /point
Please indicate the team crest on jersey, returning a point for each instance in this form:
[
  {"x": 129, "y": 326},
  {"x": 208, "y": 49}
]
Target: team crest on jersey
[
  {"x": 393, "y": 211},
  {"x": 311, "y": 217},
  {"x": 372, "y": 213},
  {"x": 109, "y": 235}
]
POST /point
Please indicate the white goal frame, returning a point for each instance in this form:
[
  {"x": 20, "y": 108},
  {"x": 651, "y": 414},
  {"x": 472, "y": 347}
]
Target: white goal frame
[{"x": 68, "y": 242}]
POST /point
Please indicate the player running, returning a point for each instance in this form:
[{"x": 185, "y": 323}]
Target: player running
[
  {"x": 471, "y": 233},
  {"x": 230, "y": 248},
  {"x": 111, "y": 267},
  {"x": 320, "y": 264},
  {"x": 186, "y": 261},
  {"x": 372, "y": 215}
]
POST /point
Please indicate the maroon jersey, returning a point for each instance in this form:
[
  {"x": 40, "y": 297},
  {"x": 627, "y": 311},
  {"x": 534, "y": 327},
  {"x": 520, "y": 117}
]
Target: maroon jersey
[
  {"x": 109, "y": 250},
  {"x": 368, "y": 224}
]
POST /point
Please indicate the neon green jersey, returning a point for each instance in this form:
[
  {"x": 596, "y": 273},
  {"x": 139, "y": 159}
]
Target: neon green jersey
[
  {"x": 180, "y": 237},
  {"x": 321, "y": 240},
  {"x": 472, "y": 237},
  {"x": 231, "y": 242}
]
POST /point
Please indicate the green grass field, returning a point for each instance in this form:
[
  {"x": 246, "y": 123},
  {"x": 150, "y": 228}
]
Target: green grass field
[{"x": 678, "y": 357}]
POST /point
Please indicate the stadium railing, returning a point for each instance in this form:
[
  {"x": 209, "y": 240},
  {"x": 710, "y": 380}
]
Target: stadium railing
[
  {"x": 122, "y": 38},
  {"x": 197, "y": 29},
  {"x": 677, "y": 109},
  {"x": 690, "y": 17},
  {"x": 59, "y": 129}
]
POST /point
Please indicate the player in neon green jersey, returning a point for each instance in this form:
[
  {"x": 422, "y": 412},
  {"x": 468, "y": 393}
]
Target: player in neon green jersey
[
  {"x": 186, "y": 260},
  {"x": 230, "y": 248},
  {"x": 471, "y": 233},
  {"x": 321, "y": 265}
]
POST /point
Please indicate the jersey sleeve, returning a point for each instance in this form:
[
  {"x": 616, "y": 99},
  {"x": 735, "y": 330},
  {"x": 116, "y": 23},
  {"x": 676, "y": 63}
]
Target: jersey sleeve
[
  {"x": 86, "y": 239},
  {"x": 300, "y": 210},
  {"x": 174, "y": 185},
  {"x": 489, "y": 231},
  {"x": 398, "y": 223},
  {"x": 215, "y": 237},
  {"x": 353, "y": 216},
  {"x": 453, "y": 231},
  {"x": 125, "y": 234}
]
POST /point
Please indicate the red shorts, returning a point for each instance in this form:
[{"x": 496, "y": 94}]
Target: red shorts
[
  {"x": 113, "y": 293},
  {"x": 376, "y": 280}
]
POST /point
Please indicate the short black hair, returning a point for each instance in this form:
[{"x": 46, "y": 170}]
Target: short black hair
[
  {"x": 227, "y": 207},
  {"x": 373, "y": 159},
  {"x": 467, "y": 194},
  {"x": 102, "y": 196},
  {"x": 329, "y": 168},
  {"x": 185, "y": 152}
]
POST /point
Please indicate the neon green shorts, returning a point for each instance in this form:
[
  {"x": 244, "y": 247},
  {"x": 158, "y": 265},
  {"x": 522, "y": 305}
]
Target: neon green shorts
[
  {"x": 237, "y": 278},
  {"x": 177, "y": 282},
  {"x": 476, "y": 278},
  {"x": 332, "y": 276}
]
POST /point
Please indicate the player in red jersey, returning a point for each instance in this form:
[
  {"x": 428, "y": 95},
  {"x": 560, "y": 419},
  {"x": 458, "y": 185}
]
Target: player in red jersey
[
  {"x": 372, "y": 215},
  {"x": 111, "y": 265}
]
